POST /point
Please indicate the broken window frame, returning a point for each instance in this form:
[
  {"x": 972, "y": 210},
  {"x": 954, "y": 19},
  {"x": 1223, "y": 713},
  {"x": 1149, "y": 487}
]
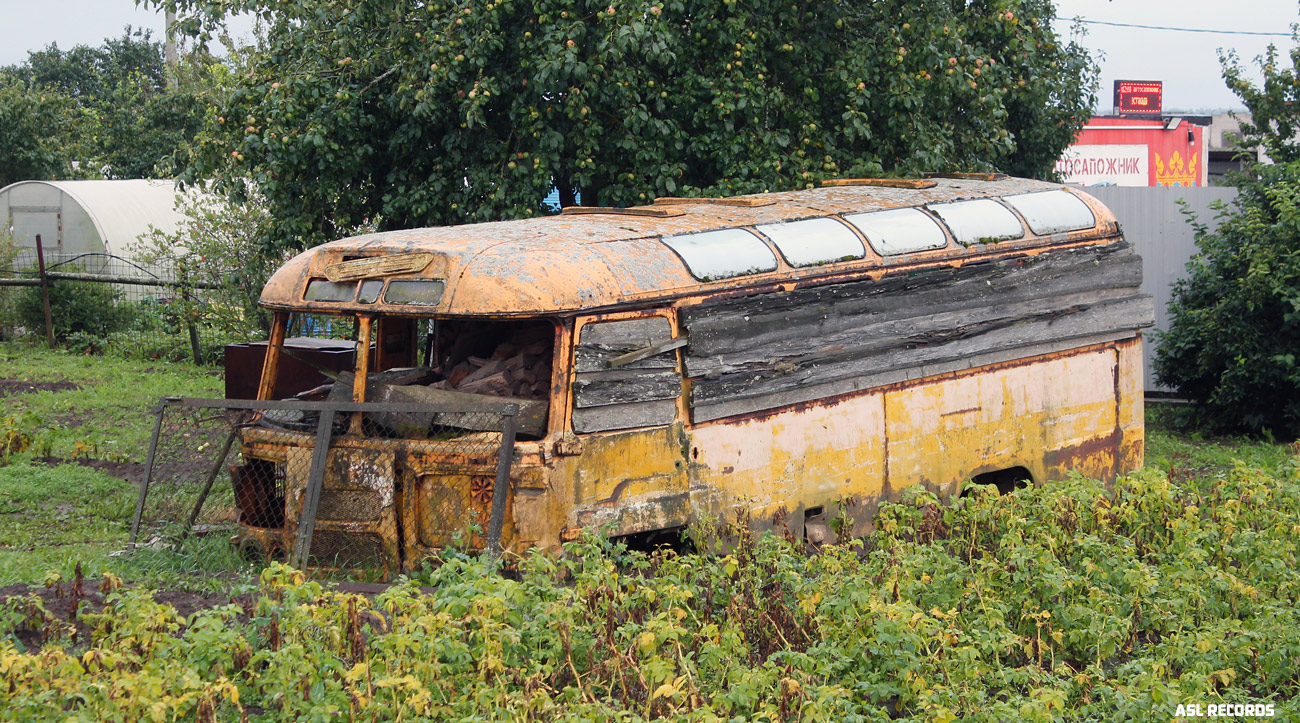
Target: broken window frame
[
  {"x": 370, "y": 333},
  {"x": 656, "y": 412}
]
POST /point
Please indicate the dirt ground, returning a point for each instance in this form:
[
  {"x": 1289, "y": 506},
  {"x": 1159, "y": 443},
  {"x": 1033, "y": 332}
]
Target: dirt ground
[
  {"x": 11, "y": 387},
  {"x": 132, "y": 472}
]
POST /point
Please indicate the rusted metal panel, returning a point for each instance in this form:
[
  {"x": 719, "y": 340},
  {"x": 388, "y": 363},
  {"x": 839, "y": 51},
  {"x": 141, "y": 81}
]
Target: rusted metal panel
[
  {"x": 630, "y": 481},
  {"x": 557, "y": 264},
  {"x": 807, "y": 455}
]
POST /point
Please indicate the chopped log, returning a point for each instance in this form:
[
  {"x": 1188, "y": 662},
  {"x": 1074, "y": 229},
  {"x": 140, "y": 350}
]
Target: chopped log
[
  {"x": 495, "y": 384},
  {"x": 491, "y": 367}
]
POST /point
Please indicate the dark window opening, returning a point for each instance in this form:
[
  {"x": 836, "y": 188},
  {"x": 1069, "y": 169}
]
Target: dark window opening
[{"x": 1005, "y": 480}]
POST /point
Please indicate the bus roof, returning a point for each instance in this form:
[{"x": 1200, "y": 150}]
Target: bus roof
[{"x": 607, "y": 258}]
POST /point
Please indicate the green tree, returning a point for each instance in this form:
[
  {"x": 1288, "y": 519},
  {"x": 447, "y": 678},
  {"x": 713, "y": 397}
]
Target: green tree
[
  {"x": 1274, "y": 105},
  {"x": 121, "y": 116},
  {"x": 1233, "y": 345},
  {"x": 422, "y": 113},
  {"x": 30, "y": 124},
  {"x": 218, "y": 244}
]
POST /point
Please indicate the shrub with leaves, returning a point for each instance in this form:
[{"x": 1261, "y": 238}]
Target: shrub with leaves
[
  {"x": 1069, "y": 601},
  {"x": 218, "y": 243},
  {"x": 83, "y": 308},
  {"x": 1233, "y": 344}
]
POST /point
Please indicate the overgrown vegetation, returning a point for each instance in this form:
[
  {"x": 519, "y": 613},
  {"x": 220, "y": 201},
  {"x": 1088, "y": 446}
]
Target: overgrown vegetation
[
  {"x": 1068, "y": 601},
  {"x": 1233, "y": 344}
]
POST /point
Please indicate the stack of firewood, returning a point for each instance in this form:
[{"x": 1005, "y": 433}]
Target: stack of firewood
[{"x": 522, "y": 373}]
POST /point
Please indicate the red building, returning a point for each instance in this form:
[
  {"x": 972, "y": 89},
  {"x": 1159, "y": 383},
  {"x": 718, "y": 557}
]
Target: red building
[{"x": 1112, "y": 151}]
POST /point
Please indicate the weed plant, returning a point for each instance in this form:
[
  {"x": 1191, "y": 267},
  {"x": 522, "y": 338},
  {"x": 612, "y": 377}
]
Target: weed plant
[{"x": 1071, "y": 601}]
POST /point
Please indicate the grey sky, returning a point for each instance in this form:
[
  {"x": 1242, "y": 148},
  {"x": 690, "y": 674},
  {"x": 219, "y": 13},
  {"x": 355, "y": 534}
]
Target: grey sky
[
  {"x": 27, "y": 25},
  {"x": 1186, "y": 62}
]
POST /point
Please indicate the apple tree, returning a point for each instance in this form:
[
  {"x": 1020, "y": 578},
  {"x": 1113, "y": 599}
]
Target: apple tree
[{"x": 399, "y": 113}]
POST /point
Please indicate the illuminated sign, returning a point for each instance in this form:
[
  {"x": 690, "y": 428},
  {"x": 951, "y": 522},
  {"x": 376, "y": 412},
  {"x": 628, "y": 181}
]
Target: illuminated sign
[{"x": 1138, "y": 98}]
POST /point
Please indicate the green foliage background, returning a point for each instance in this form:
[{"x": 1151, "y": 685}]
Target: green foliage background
[
  {"x": 404, "y": 114},
  {"x": 107, "y": 111},
  {"x": 1233, "y": 344}
]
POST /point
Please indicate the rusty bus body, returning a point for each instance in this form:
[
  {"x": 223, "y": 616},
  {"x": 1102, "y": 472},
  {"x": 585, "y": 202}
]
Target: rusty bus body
[{"x": 788, "y": 355}]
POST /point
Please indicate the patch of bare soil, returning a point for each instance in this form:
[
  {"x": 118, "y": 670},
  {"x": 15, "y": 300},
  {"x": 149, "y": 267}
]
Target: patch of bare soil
[
  {"x": 132, "y": 472},
  {"x": 14, "y": 387},
  {"x": 193, "y": 468}
]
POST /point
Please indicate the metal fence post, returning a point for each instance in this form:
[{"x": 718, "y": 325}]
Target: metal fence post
[
  {"x": 217, "y": 464},
  {"x": 45, "y": 291},
  {"x": 148, "y": 469},
  {"x": 191, "y": 313},
  {"x": 501, "y": 488},
  {"x": 311, "y": 496}
]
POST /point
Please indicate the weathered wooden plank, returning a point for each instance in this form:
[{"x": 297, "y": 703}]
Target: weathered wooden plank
[
  {"x": 764, "y": 330},
  {"x": 1111, "y": 317},
  {"x": 641, "y": 354},
  {"x": 532, "y": 412},
  {"x": 629, "y": 333},
  {"x": 758, "y": 321},
  {"x": 1050, "y": 263},
  {"x": 881, "y": 337},
  {"x": 623, "y": 386},
  {"x": 900, "y": 293},
  {"x": 625, "y": 416},
  {"x": 602, "y": 341},
  {"x": 591, "y": 359},
  {"x": 709, "y": 410}
]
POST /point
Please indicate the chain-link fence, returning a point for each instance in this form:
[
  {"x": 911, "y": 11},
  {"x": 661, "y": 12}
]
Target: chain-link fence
[{"x": 360, "y": 490}]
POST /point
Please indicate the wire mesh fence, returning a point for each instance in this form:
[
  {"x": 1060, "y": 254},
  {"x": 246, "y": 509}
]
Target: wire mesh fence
[
  {"x": 95, "y": 299},
  {"x": 345, "y": 489},
  {"x": 183, "y": 474}
]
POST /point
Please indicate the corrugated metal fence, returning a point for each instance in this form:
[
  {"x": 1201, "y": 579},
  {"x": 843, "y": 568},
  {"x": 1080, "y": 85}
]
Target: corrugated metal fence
[{"x": 1153, "y": 220}]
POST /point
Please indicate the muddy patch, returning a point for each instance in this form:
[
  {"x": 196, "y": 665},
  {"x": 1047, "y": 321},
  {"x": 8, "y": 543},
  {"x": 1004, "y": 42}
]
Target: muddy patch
[
  {"x": 132, "y": 472},
  {"x": 14, "y": 387},
  {"x": 171, "y": 473}
]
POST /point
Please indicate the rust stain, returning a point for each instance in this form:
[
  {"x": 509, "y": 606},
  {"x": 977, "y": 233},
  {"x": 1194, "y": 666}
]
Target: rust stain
[
  {"x": 957, "y": 412},
  {"x": 546, "y": 265}
]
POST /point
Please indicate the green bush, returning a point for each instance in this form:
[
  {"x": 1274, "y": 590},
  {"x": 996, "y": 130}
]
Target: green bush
[
  {"x": 77, "y": 307},
  {"x": 1074, "y": 601},
  {"x": 1233, "y": 345}
]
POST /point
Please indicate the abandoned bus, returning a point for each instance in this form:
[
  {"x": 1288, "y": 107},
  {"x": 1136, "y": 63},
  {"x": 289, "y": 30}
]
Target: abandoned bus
[{"x": 789, "y": 356}]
